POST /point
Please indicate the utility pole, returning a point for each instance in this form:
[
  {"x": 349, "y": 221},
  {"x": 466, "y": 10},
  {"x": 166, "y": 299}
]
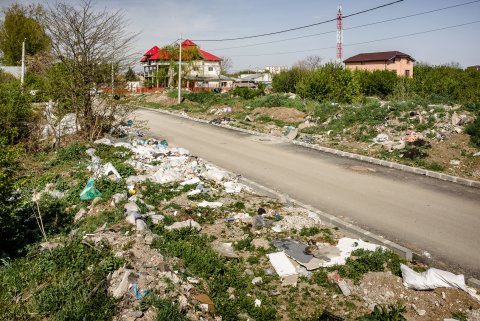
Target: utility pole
[
  {"x": 22, "y": 76},
  {"x": 180, "y": 72}
]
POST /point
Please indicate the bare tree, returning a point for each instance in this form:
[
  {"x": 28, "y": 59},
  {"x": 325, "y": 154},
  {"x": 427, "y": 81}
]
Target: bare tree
[
  {"x": 225, "y": 65},
  {"x": 309, "y": 63},
  {"x": 84, "y": 39}
]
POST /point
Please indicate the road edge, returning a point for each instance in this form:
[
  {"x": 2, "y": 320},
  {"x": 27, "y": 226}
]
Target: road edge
[{"x": 367, "y": 159}]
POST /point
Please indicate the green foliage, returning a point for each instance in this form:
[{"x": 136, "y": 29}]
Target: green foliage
[
  {"x": 473, "y": 130},
  {"x": 309, "y": 231},
  {"x": 166, "y": 309},
  {"x": 67, "y": 283},
  {"x": 72, "y": 152},
  {"x": 363, "y": 261},
  {"x": 16, "y": 111},
  {"x": 287, "y": 81},
  {"x": 19, "y": 23},
  {"x": 379, "y": 83},
  {"x": 331, "y": 83},
  {"x": 247, "y": 93},
  {"x": 155, "y": 193},
  {"x": 199, "y": 258},
  {"x": 460, "y": 316},
  {"x": 446, "y": 83},
  {"x": 244, "y": 245},
  {"x": 130, "y": 75},
  {"x": 391, "y": 312}
]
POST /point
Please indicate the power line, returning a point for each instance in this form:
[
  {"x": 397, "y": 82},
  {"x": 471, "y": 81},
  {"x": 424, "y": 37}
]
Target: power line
[
  {"x": 302, "y": 27},
  {"x": 350, "y": 28},
  {"x": 361, "y": 43}
]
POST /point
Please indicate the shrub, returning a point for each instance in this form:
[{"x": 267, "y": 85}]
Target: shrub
[
  {"x": 287, "y": 81},
  {"x": 473, "y": 130},
  {"x": 247, "y": 93},
  {"x": 379, "y": 83},
  {"x": 15, "y": 110},
  {"x": 330, "y": 83}
]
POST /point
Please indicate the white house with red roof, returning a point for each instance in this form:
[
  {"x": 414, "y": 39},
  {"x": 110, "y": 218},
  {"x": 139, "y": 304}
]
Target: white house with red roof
[{"x": 201, "y": 68}]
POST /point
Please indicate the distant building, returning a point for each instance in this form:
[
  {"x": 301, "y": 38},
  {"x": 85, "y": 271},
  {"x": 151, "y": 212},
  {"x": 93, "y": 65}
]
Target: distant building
[
  {"x": 276, "y": 69},
  {"x": 12, "y": 70},
  {"x": 252, "y": 80},
  {"x": 202, "y": 69},
  {"x": 396, "y": 61}
]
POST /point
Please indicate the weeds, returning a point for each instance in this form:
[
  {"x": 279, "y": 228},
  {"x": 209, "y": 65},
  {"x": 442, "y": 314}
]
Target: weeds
[
  {"x": 67, "y": 283},
  {"x": 391, "y": 312},
  {"x": 363, "y": 261}
]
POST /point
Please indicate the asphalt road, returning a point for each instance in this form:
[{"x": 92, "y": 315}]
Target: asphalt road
[{"x": 415, "y": 211}]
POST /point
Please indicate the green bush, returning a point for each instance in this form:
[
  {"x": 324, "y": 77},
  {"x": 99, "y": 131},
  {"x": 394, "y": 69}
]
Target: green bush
[
  {"x": 331, "y": 83},
  {"x": 247, "y": 93},
  {"x": 287, "y": 81},
  {"x": 15, "y": 110},
  {"x": 473, "y": 130},
  {"x": 379, "y": 83}
]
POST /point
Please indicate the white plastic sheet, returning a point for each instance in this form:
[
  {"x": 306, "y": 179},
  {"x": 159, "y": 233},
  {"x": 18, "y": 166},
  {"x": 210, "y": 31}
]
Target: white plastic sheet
[
  {"x": 431, "y": 279},
  {"x": 282, "y": 264}
]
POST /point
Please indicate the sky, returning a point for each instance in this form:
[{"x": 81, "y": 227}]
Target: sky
[{"x": 162, "y": 22}]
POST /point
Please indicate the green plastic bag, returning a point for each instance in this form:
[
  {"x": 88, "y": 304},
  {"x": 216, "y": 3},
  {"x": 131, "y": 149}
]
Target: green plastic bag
[{"x": 90, "y": 192}]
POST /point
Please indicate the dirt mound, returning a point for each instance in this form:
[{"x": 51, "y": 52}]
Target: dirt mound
[
  {"x": 385, "y": 288},
  {"x": 281, "y": 113},
  {"x": 161, "y": 98}
]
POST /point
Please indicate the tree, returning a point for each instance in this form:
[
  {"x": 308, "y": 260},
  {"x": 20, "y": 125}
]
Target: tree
[
  {"x": 226, "y": 65},
  {"x": 22, "y": 22},
  {"x": 130, "y": 75},
  {"x": 310, "y": 63},
  {"x": 82, "y": 40}
]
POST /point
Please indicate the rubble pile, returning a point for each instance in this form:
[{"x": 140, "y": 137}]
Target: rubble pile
[{"x": 278, "y": 246}]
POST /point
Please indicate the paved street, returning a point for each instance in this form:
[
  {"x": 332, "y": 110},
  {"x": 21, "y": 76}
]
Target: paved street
[{"x": 421, "y": 213}]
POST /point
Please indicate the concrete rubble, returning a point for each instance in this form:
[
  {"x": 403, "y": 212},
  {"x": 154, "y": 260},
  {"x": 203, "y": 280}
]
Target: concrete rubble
[{"x": 276, "y": 230}]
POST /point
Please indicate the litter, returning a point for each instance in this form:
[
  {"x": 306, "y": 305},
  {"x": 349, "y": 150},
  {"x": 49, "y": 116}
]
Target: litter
[
  {"x": 214, "y": 174},
  {"x": 192, "y": 181},
  {"x": 141, "y": 225},
  {"x": 90, "y": 192},
  {"x": 296, "y": 251},
  {"x": 205, "y": 302},
  {"x": 381, "y": 138},
  {"x": 257, "y": 280},
  {"x": 109, "y": 168},
  {"x": 210, "y": 204},
  {"x": 282, "y": 264},
  {"x": 435, "y": 278},
  {"x": 131, "y": 207},
  {"x": 225, "y": 250},
  {"x": 259, "y": 222},
  {"x": 137, "y": 294},
  {"x": 122, "y": 287},
  {"x": 104, "y": 141},
  {"x": 258, "y": 303},
  {"x": 232, "y": 187},
  {"x": 132, "y": 217},
  {"x": 346, "y": 246}
]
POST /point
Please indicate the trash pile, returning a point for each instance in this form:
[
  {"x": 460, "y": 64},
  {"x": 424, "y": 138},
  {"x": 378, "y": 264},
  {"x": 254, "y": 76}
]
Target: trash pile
[{"x": 287, "y": 243}]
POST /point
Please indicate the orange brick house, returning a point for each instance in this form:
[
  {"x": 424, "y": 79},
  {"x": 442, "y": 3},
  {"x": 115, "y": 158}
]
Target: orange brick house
[{"x": 396, "y": 61}]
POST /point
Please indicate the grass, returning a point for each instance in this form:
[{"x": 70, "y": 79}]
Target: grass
[
  {"x": 362, "y": 261},
  {"x": 67, "y": 283},
  {"x": 200, "y": 259}
]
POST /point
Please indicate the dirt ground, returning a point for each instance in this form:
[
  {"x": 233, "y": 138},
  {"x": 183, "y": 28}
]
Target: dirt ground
[{"x": 281, "y": 113}]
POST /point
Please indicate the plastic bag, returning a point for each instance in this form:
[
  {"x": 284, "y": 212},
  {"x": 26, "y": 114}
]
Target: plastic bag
[{"x": 90, "y": 192}]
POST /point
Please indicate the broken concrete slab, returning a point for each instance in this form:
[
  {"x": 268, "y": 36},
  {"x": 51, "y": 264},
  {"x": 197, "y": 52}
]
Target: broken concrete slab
[{"x": 185, "y": 224}]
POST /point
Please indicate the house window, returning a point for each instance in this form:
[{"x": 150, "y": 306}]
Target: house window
[
  {"x": 407, "y": 73},
  {"x": 223, "y": 84},
  {"x": 210, "y": 68}
]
